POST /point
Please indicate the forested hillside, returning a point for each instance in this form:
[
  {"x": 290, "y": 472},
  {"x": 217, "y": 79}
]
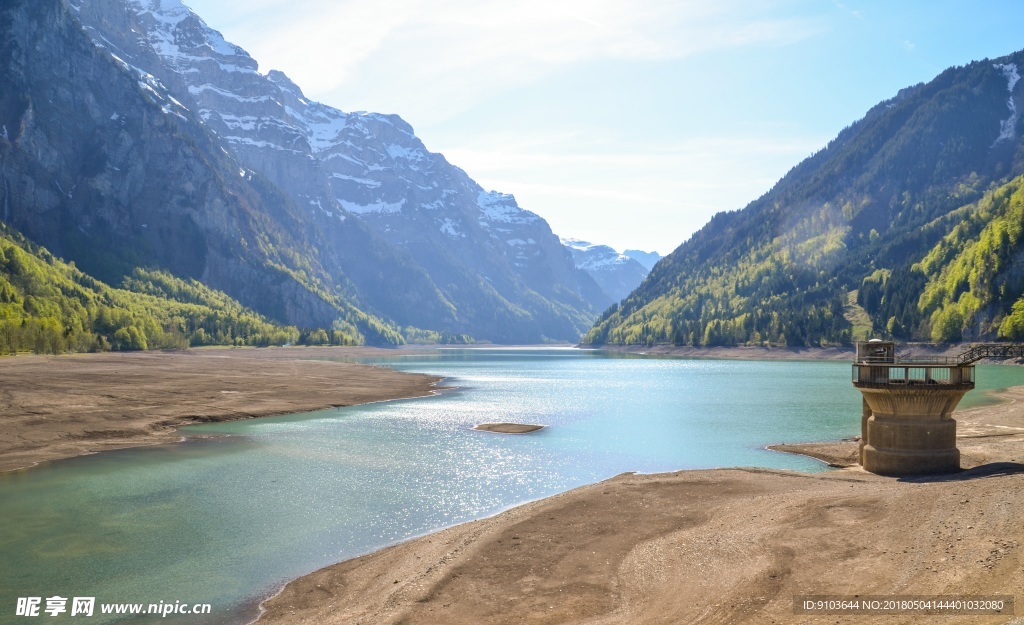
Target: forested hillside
[
  {"x": 970, "y": 284},
  {"x": 49, "y": 306},
  {"x": 901, "y": 216}
]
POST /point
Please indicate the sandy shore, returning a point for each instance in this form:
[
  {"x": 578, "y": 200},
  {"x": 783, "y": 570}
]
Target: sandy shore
[
  {"x": 985, "y": 435},
  {"x": 718, "y": 546},
  {"x": 54, "y": 407},
  {"x": 736, "y": 353},
  {"x": 509, "y": 428},
  {"x": 780, "y": 353}
]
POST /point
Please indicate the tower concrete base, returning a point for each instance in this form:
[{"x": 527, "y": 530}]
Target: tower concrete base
[
  {"x": 896, "y": 462},
  {"x": 909, "y": 431}
]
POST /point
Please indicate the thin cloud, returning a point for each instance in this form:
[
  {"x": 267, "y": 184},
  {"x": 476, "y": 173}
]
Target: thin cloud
[
  {"x": 432, "y": 61},
  {"x": 497, "y": 152},
  {"x": 606, "y": 191},
  {"x": 380, "y": 52}
]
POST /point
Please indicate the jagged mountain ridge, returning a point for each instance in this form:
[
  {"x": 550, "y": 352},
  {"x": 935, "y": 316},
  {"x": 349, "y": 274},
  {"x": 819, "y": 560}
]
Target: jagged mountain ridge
[
  {"x": 617, "y": 274},
  {"x": 102, "y": 166},
  {"x": 490, "y": 268},
  {"x": 864, "y": 211}
]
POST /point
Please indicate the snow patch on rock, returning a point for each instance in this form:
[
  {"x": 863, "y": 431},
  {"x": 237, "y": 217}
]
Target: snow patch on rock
[
  {"x": 449, "y": 227},
  {"x": 196, "y": 90},
  {"x": 170, "y": 38},
  {"x": 1008, "y": 127},
  {"x": 373, "y": 184},
  {"x": 376, "y": 207},
  {"x": 400, "y": 151},
  {"x": 502, "y": 208},
  {"x": 590, "y": 256}
]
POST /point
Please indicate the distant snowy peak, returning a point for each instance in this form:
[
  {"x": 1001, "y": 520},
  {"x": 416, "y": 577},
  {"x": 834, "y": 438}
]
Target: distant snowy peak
[
  {"x": 616, "y": 274},
  {"x": 578, "y": 244},
  {"x": 591, "y": 256},
  {"x": 647, "y": 259}
]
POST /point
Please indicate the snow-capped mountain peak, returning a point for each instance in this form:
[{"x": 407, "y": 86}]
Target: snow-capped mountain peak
[
  {"x": 182, "y": 39},
  {"x": 369, "y": 166},
  {"x": 616, "y": 273},
  {"x": 591, "y": 256}
]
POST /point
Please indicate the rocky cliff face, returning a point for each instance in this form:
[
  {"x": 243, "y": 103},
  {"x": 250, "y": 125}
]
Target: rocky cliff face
[
  {"x": 412, "y": 236},
  {"x": 100, "y": 163}
]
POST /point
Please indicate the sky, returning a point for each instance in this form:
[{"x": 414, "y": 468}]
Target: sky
[{"x": 623, "y": 122}]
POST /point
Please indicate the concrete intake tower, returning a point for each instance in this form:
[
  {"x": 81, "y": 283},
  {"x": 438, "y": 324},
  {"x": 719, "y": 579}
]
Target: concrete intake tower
[{"x": 907, "y": 426}]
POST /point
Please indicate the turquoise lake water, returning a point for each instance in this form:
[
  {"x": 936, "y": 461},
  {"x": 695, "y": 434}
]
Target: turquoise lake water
[{"x": 239, "y": 508}]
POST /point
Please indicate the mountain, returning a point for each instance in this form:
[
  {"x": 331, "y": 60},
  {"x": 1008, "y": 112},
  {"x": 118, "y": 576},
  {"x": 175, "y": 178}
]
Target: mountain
[
  {"x": 402, "y": 233},
  {"x": 102, "y": 165},
  {"x": 903, "y": 226},
  {"x": 616, "y": 274},
  {"x": 647, "y": 259}
]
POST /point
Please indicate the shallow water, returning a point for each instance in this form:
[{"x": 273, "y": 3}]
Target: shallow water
[{"x": 228, "y": 516}]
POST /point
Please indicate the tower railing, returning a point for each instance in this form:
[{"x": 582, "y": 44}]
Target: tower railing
[
  {"x": 912, "y": 374},
  {"x": 969, "y": 356}
]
